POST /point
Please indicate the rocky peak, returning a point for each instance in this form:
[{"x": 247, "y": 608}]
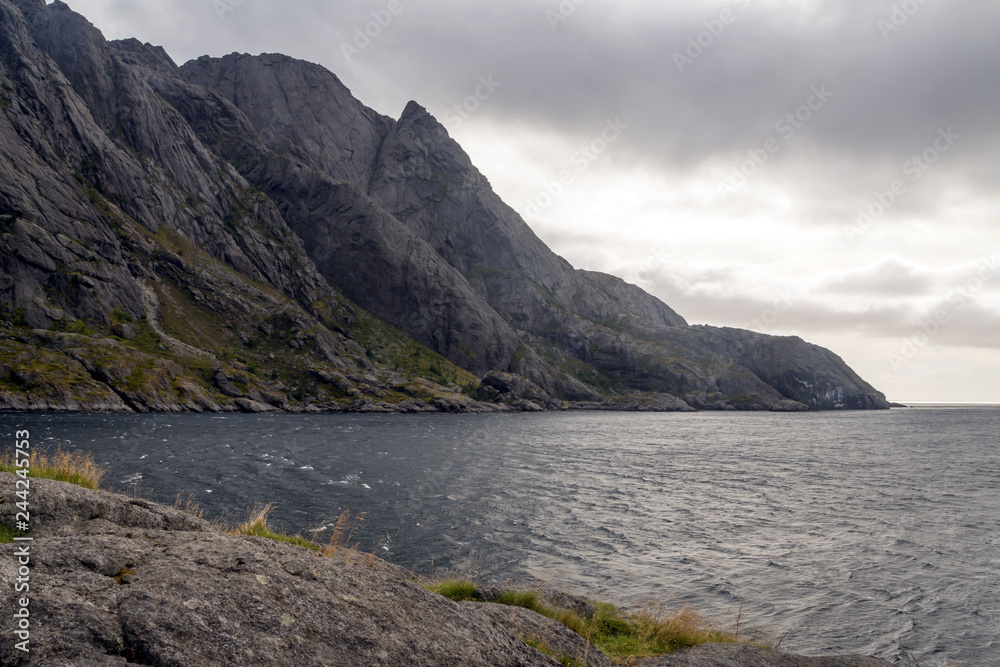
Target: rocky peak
[
  {"x": 82, "y": 54},
  {"x": 299, "y": 109},
  {"x": 134, "y": 53}
]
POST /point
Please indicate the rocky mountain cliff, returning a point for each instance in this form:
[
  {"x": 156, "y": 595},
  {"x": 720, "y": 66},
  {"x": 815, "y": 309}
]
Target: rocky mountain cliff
[{"x": 242, "y": 233}]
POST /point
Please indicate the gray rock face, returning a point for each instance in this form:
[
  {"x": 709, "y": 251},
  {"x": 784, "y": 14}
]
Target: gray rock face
[
  {"x": 116, "y": 219},
  {"x": 240, "y": 195},
  {"x": 100, "y": 122},
  {"x": 508, "y": 388},
  {"x": 386, "y": 268},
  {"x": 426, "y": 179},
  {"x": 300, "y": 110},
  {"x": 421, "y": 180},
  {"x": 789, "y": 406},
  {"x": 55, "y": 506},
  {"x": 646, "y": 403}
]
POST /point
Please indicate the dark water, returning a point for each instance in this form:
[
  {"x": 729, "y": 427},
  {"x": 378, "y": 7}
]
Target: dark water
[{"x": 874, "y": 533}]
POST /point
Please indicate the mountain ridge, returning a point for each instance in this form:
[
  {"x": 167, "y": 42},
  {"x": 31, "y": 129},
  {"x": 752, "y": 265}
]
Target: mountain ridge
[{"x": 246, "y": 217}]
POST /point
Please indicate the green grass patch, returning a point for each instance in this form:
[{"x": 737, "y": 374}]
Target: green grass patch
[
  {"x": 146, "y": 340},
  {"x": 187, "y": 321},
  {"x": 138, "y": 377},
  {"x": 394, "y": 349},
  {"x": 77, "y": 327},
  {"x": 652, "y": 631},
  {"x": 620, "y": 635},
  {"x": 455, "y": 589},
  {"x": 526, "y": 599},
  {"x": 7, "y": 534}
]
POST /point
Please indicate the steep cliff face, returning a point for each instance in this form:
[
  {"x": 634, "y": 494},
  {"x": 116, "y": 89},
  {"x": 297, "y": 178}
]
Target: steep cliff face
[
  {"x": 231, "y": 215},
  {"x": 140, "y": 271},
  {"x": 580, "y": 333}
]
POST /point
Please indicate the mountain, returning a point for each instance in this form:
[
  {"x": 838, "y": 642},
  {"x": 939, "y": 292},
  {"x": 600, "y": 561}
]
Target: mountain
[{"x": 242, "y": 233}]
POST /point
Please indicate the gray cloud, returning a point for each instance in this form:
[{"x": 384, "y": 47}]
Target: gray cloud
[
  {"x": 608, "y": 59},
  {"x": 940, "y": 69},
  {"x": 890, "y": 277}
]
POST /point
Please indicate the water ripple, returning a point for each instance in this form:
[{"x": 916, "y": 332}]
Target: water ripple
[{"x": 856, "y": 532}]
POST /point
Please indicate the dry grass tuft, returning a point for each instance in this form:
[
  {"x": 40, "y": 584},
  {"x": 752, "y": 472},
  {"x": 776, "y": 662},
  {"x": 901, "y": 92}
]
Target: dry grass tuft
[
  {"x": 660, "y": 627},
  {"x": 256, "y": 525},
  {"x": 343, "y": 532},
  {"x": 189, "y": 505},
  {"x": 76, "y": 467},
  {"x": 340, "y": 542}
]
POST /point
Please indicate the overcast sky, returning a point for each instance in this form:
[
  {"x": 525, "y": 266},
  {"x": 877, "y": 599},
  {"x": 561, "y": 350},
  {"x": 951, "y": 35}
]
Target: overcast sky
[{"x": 717, "y": 153}]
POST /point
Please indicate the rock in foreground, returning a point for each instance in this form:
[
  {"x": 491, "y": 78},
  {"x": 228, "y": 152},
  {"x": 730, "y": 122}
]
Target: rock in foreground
[{"x": 116, "y": 580}]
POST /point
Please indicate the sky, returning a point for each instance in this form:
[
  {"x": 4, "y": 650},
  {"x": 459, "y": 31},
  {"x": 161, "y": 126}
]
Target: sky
[{"x": 825, "y": 169}]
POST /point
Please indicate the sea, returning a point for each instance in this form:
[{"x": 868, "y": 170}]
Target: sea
[{"x": 872, "y": 533}]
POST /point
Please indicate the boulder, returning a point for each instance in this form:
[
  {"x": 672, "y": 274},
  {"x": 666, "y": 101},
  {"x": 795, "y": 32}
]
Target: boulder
[
  {"x": 516, "y": 391},
  {"x": 790, "y": 406},
  {"x": 646, "y": 403}
]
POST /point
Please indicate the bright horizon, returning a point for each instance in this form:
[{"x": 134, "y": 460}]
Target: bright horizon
[{"x": 793, "y": 167}]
